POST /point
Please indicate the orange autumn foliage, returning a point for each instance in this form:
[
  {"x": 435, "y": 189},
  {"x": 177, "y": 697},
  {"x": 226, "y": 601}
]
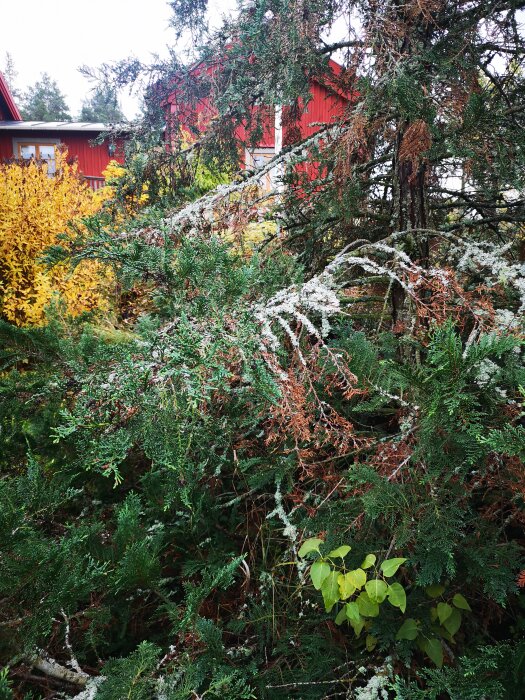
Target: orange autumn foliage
[{"x": 34, "y": 210}]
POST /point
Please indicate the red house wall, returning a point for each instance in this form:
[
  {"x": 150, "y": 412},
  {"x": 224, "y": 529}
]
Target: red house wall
[
  {"x": 328, "y": 103},
  {"x": 325, "y": 107},
  {"x": 92, "y": 160}
]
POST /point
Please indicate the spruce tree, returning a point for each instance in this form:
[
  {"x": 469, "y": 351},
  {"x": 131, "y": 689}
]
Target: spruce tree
[
  {"x": 44, "y": 102},
  {"x": 11, "y": 74},
  {"x": 102, "y": 106}
]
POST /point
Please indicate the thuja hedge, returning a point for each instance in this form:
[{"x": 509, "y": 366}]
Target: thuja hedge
[{"x": 159, "y": 484}]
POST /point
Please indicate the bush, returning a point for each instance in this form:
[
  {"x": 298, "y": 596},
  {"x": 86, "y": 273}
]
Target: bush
[{"x": 34, "y": 210}]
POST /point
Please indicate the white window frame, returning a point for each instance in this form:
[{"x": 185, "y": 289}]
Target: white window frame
[{"x": 267, "y": 182}]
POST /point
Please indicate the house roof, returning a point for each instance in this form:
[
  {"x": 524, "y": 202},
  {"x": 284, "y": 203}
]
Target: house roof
[
  {"x": 20, "y": 125},
  {"x": 7, "y": 98}
]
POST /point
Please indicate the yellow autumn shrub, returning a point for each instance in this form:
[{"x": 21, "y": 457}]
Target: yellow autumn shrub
[
  {"x": 34, "y": 210},
  {"x": 121, "y": 206},
  {"x": 250, "y": 236}
]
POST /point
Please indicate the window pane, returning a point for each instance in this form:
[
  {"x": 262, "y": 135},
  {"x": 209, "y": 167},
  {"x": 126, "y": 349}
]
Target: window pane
[
  {"x": 260, "y": 158},
  {"x": 257, "y": 159},
  {"x": 28, "y": 151},
  {"x": 47, "y": 153},
  {"x": 51, "y": 167}
]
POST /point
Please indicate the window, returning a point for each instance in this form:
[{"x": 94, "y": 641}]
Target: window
[
  {"x": 39, "y": 150},
  {"x": 256, "y": 159}
]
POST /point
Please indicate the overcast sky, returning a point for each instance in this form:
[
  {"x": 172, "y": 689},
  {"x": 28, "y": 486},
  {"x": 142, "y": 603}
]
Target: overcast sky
[{"x": 58, "y": 36}]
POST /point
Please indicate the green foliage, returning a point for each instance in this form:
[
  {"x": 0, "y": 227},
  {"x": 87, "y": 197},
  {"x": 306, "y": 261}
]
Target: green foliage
[
  {"x": 44, "y": 102},
  {"x": 132, "y": 677},
  {"x": 10, "y": 74},
  {"x": 445, "y": 622},
  {"x": 68, "y": 571},
  {"x": 5, "y": 686},
  {"x": 137, "y": 457},
  {"x": 177, "y": 481},
  {"x": 337, "y": 584},
  {"x": 102, "y": 106},
  {"x": 361, "y": 592},
  {"x": 490, "y": 673}
]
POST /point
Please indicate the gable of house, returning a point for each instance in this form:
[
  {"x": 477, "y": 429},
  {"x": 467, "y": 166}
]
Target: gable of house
[
  {"x": 281, "y": 126},
  {"x": 327, "y": 104},
  {"x": 8, "y": 109}
]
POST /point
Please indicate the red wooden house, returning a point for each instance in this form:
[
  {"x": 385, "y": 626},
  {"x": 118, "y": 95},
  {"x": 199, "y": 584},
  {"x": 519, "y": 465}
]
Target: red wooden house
[
  {"x": 282, "y": 126},
  {"x": 23, "y": 140}
]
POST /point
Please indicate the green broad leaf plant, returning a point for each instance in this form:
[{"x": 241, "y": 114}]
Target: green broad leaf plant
[
  {"x": 446, "y": 616},
  {"x": 359, "y": 593}
]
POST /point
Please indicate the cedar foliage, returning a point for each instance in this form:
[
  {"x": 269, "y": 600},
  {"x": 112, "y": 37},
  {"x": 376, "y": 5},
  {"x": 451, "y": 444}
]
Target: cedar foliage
[{"x": 358, "y": 378}]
